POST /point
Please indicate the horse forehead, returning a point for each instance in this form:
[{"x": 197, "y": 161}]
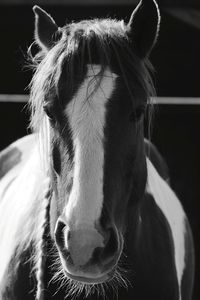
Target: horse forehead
[{"x": 91, "y": 96}]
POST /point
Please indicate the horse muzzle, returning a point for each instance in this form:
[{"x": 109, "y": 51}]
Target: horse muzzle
[{"x": 88, "y": 254}]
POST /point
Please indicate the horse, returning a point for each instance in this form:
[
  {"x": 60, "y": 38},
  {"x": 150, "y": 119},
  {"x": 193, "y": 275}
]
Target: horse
[{"x": 86, "y": 208}]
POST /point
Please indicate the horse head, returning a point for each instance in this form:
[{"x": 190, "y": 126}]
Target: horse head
[{"x": 91, "y": 89}]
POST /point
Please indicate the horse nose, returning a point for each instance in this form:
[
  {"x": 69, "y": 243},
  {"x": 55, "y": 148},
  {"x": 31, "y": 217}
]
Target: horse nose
[{"x": 87, "y": 248}]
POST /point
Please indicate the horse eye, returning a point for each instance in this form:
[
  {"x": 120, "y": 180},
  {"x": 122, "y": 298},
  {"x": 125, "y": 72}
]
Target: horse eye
[
  {"x": 48, "y": 112},
  {"x": 137, "y": 114}
]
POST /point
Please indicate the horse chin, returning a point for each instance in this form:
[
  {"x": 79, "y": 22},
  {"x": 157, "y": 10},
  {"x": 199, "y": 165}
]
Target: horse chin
[
  {"x": 91, "y": 280},
  {"x": 88, "y": 277}
]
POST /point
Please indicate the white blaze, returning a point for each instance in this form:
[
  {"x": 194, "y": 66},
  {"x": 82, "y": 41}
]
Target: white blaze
[{"x": 86, "y": 113}]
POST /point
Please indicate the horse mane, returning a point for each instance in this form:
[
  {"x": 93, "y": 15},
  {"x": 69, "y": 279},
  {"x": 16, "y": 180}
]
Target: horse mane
[{"x": 108, "y": 36}]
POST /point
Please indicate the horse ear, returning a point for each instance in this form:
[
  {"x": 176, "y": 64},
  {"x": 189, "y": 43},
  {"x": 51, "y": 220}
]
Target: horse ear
[
  {"x": 143, "y": 27},
  {"x": 45, "y": 28}
]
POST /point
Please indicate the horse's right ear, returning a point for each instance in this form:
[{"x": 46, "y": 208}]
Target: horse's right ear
[{"x": 45, "y": 28}]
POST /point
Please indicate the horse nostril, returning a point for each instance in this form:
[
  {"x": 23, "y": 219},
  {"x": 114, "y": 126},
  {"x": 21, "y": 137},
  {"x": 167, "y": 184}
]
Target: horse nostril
[
  {"x": 59, "y": 234},
  {"x": 109, "y": 252},
  {"x": 111, "y": 245}
]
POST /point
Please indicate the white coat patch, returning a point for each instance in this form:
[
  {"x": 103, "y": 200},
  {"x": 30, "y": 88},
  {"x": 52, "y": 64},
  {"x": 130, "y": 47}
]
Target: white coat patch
[
  {"x": 169, "y": 204},
  {"x": 86, "y": 114}
]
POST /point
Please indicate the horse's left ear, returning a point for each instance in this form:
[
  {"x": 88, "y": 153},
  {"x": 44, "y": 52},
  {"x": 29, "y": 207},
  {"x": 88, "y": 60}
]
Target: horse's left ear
[
  {"x": 45, "y": 28},
  {"x": 143, "y": 27}
]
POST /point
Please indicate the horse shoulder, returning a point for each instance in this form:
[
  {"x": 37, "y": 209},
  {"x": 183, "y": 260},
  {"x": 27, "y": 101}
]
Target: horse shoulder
[{"x": 170, "y": 206}]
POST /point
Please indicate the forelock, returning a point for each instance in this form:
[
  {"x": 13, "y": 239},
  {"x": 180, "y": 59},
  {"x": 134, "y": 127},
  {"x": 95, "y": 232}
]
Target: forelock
[{"x": 99, "y": 27}]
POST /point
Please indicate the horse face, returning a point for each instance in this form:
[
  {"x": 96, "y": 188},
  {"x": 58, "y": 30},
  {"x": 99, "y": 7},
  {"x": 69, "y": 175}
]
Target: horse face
[
  {"x": 97, "y": 158},
  {"x": 92, "y": 160},
  {"x": 98, "y": 164}
]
